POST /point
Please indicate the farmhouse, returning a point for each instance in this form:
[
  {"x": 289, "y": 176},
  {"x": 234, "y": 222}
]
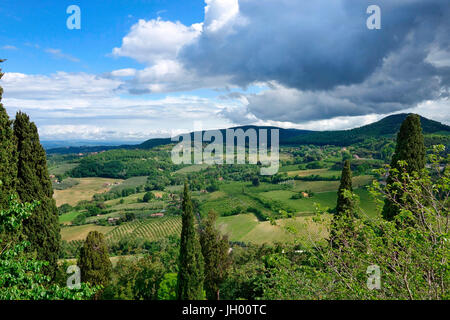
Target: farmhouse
[{"x": 159, "y": 214}]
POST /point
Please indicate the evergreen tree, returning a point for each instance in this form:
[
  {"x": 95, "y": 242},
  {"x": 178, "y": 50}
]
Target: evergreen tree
[
  {"x": 191, "y": 265},
  {"x": 410, "y": 148},
  {"x": 94, "y": 262},
  {"x": 8, "y": 165},
  {"x": 345, "y": 210},
  {"x": 215, "y": 249},
  {"x": 344, "y": 204},
  {"x": 33, "y": 183}
]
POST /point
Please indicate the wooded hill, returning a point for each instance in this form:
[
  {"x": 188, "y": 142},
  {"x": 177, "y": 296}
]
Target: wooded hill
[{"x": 386, "y": 127}]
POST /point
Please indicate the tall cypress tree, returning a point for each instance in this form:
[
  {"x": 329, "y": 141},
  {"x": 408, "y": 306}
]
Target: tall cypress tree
[
  {"x": 94, "y": 262},
  {"x": 345, "y": 205},
  {"x": 215, "y": 249},
  {"x": 342, "y": 222},
  {"x": 33, "y": 183},
  {"x": 410, "y": 148},
  {"x": 191, "y": 265},
  {"x": 8, "y": 165}
]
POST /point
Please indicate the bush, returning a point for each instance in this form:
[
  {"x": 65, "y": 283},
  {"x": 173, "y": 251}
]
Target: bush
[{"x": 148, "y": 196}]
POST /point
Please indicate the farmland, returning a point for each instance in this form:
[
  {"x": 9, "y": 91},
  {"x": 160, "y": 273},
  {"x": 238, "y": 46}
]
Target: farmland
[
  {"x": 244, "y": 209},
  {"x": 84, "y": 190},
  {"x": 277, "y": 208}
]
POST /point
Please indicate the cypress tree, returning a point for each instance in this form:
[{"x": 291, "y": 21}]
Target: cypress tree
[
  {"x": 94, "y": 262},
  {"x": 345, "y": 205},
  {"x": 410, "y": 148},
  {"x": 342, "y": 222},
  {"x": 191, "y": 265},
  {"x": 33, "y": 183},
  {"x": 215, "y": 252},
  {"x": 8, "y": 165}
]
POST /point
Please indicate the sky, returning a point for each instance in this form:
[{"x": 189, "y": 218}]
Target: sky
[{"x": 138, "y": 69}]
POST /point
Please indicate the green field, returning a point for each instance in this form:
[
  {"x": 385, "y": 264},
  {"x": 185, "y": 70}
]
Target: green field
[
  {"x": 246, "y": 228},
  {"x": 130, "y": 183},
  {"x": 67, "y": 218},
  {"x": 61, "y": 168},
  {"x": 234, "y": 195},
  {"x": 193, "y": 168}
]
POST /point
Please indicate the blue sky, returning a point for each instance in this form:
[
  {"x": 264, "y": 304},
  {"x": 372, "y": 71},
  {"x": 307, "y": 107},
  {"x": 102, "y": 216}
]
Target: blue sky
[
  {"x": 147, "y": 68},
  {"x": 28, "y": 23}
]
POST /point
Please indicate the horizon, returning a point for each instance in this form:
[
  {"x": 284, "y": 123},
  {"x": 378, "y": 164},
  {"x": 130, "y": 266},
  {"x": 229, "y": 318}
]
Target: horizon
[
  {"x": 139, "y": 70},
  {"x": 55, "y": 144}
]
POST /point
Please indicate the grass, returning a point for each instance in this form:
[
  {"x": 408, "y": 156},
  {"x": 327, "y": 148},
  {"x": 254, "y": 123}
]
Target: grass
[
  {"x": 61, "y": 168},
  {"x": 130, "y": 183},
  {"x": 246, "y": 228},
  {"x": 192, "y": 168},
  {"x": 305, "y": 205},
  {"x": 237, "y": 226},
  {"x": 322, "y": 186},
  {"x": 84, "y": 190},
  {"x": 66, "y": 218},
  {"x": 320, "y": 172}
]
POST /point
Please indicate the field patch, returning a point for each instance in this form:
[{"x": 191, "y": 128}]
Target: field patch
[
  {"x": 236, "y": 227},
  {"x": 150, "y": 229},
  {"x": 130, "y": 183},
  {"x": 302, "y": 229},
  {"x": 84, "y": 190},
  {"x": 192, "y": 168},
  {"x": 246, "y": 228},
  {"x": 81, "y": 232},
  {"x": 67, "y": 218}
]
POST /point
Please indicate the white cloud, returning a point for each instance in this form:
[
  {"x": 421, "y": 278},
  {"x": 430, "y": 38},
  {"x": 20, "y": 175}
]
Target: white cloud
[
  {"x": 220, "y": 13},
  {"x": 84, "y": 106},
  {"x": 127, "y": 72},
  {"x": 155, "y": 40},
  {"x": 61, "y": 85}
]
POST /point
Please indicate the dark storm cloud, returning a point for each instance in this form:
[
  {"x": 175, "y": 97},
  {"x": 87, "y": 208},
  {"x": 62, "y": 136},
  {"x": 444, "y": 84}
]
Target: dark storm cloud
[{"x": 324, "y": 60}]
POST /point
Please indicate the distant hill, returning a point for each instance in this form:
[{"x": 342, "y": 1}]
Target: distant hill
[{"x": 387, "y": 126}]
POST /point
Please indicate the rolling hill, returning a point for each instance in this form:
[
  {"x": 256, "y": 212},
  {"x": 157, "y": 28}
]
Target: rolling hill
[{"x": 387, "y": 126}]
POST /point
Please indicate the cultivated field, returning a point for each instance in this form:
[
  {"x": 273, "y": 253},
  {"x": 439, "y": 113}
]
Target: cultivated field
[
  {"x": 80, "y": 232},
  {"x": 246, "y": 228},
  {"x": 84, "y": 190}
]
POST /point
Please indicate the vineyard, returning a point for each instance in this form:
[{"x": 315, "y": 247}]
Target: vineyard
[{"x": 150, "y": 229}]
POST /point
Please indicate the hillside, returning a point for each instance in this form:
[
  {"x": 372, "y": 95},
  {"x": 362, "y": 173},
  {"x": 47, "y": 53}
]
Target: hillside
[{"x": 387, "y": 126}]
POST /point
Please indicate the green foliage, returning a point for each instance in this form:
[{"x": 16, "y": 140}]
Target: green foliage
[
  {"x": 148, "y": 196},
  {"x": 65, "y": 208},
  {"x": 94, "y": 260},
  {"x": 344, "y": 204},
  {"x": 410, "y": 148},
  {"x": 21, "y": 275},
  {"x": 191, "y": 265},
  {"x": 8, "y": 156},
  {"x": 411, "y": 252},
  {"x": 140, "y": 277},
  {"x": 33, "y": 183},
  {"x": 215, "y": 252},
  {"x": 167, "y": 287},
  {"x": 124, "y": 164}
]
